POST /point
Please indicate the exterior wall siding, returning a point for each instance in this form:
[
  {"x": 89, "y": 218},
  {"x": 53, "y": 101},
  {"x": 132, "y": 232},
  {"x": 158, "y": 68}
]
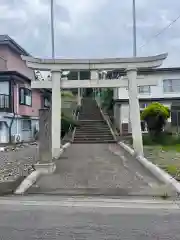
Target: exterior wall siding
[
  {"x": 32, "y": 111},
  {"x": 156, "y": 91},
  {"x": 3, "y": 65},
  {"x": 14, "y": 62},
  {"x": 11, "y": 61},
  {"x": 16, "y": 129}
]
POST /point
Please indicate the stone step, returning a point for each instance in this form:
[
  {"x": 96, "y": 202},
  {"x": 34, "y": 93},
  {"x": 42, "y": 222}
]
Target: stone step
[
  {"x": 101, "y": 134},
  {"x": 97, "y": 118},
  {"x": 92, "y": 121},
  {"x": 88, "y": 118},
  {"x": 93, "y": 138},
  {"x": 90, "y": 114},
  {"x": 95, "y": 125},
  {"x": 94, "y": 141},
  {"x": 92, "y": 124},
  {"x": 93, "y": 131}
]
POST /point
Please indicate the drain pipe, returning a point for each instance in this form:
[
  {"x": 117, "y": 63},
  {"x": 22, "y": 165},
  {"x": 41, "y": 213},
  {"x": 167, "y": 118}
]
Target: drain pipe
[{"x": 17, "y": 108}]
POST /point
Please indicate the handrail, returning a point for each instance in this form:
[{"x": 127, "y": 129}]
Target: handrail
[
  {"x": 77, "y": 116},
  {"x": 70, "y": 127},
  {"x": 108, "y": 121}
]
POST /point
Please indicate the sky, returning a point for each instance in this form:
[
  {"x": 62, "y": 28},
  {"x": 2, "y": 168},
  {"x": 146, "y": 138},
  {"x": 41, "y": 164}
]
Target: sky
[{"x": 93, "y": 28}]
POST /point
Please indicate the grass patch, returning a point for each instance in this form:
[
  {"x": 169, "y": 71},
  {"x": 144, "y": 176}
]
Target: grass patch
[
  {"x": 171, "y": 148},
  {"x": 164, "y": 139},
  {"x": 173, "y": 170},
  {"x": 163, "y": 151}
]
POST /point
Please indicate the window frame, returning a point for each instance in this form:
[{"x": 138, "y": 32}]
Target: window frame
[
  {"x": 44, "y": 100},
  {"x": 171, "y": 88},
  {"x": 26, "y": 129},
  {"x": 144, "y": 92},
  {"x": 24, "y": 102}
]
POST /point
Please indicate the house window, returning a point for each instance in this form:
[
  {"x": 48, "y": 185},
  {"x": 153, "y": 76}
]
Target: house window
[
  {"x": 46, "y": 102},
  {"x": 26, "y": 125},
  {"x": 144, "y": 89},
  {"x": 25, "y": 97},
  {"x": 171, "y": 85}
]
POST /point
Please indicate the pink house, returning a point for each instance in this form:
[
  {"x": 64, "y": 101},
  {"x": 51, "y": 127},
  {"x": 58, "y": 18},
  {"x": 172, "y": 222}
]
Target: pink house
[{"x": 19, "y": 104}]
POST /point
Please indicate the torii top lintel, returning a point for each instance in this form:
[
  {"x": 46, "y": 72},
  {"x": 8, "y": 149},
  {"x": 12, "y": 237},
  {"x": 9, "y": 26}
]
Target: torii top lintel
[{"x": 94, "y": 64}]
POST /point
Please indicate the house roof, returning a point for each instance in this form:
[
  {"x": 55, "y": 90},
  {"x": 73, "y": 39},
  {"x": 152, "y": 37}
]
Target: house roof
[
  {"x": 4, "y": 75},
  {"x": 6, "y": 40},
  {"x": 15, "y": 74},
  {"x": 122, "y": 72}
]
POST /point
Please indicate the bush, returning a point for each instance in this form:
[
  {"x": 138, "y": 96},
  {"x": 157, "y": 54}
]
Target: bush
[
  {"x": 155, "y": 115},
  {"x": 66, "y": 122},
  {"x": 67, "y": 94},
  {"x": 107, "y": 99},
  {"x": 163, "y": 139}
]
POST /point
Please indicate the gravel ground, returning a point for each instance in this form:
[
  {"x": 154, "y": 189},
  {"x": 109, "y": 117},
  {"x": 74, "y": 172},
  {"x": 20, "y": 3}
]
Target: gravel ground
[
  {"x": 169, "y": 160},
  {"x": 17, "y": 161},
  {"x": 163, "y": 158}
]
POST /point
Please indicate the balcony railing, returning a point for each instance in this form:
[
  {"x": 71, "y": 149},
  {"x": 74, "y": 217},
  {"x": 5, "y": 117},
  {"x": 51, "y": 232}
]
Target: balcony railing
[{"x": 4, "y": 101}]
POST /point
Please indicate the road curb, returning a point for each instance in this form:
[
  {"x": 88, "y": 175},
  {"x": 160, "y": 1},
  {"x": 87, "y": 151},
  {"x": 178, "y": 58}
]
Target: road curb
[
  {"x": 160, "y": 174},
  {"x": 33, "y": 177},
  {"x": 8, "y": 187}
]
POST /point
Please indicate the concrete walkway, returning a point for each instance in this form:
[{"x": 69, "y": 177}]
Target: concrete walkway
[{"x": 95, "y": 169}]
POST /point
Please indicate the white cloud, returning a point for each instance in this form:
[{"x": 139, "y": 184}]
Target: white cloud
[
  {"x": 7, "y": 13},
  {"x": 92, "y": 28}
]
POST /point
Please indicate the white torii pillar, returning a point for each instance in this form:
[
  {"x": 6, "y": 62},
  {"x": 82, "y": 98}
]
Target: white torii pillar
[{"x": 135, "y": 111}]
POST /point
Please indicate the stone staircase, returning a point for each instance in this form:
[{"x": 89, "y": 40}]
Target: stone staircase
[{"x": 93, "y": 128}]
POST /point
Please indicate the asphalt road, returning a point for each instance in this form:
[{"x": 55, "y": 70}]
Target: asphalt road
[{"x": 25, "y": 218}]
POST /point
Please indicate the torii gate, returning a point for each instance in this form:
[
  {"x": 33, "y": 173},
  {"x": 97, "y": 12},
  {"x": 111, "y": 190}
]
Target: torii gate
[{"x": 56, "y": 66}]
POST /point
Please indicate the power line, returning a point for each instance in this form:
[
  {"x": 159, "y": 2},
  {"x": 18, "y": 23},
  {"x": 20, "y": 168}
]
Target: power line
[{"x": 160, "y": 32}]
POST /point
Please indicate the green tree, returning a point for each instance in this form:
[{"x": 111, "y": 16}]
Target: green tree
[
  {"x": 107, "y": 99},
  {"x": 66, "y": 122},
  {"x": 155, "y": 115}
]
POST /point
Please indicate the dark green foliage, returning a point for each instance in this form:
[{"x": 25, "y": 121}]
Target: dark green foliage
[
  {"x": 155, "y": 115},
  {"x": 107, "y": 99},
  {"x": 66, "y": 122},
  {"x": 163, "y": 139}
]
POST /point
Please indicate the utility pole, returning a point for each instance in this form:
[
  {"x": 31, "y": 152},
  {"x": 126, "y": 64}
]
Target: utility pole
[
  {"x": 134, "y": 29},
  {"x": 52, "y": 28}
]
